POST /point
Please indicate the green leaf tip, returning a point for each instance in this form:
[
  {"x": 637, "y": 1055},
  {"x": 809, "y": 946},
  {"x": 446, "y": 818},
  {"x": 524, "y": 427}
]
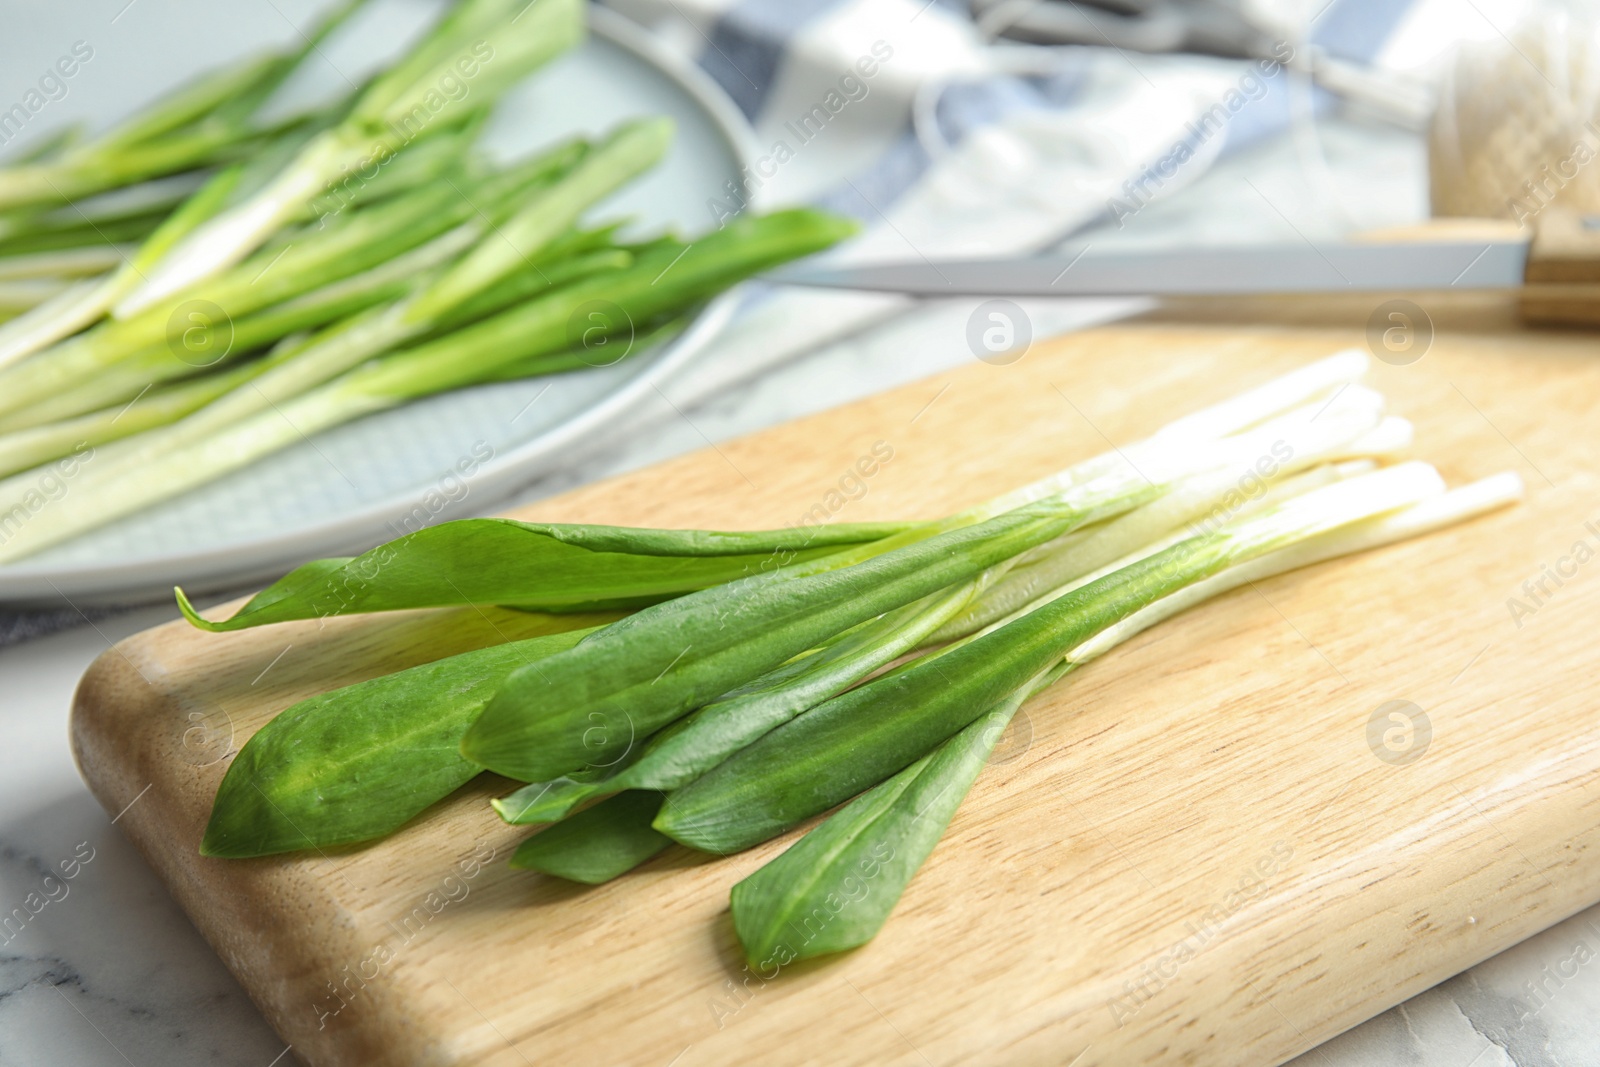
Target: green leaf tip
[
  {"x": 244, "y": 824},
  {"x": 194, "y": 616},
  {"x": 547, "y": 802},
  {"x": 599, "y": 843},
  {"x": 833, "y": 890}
]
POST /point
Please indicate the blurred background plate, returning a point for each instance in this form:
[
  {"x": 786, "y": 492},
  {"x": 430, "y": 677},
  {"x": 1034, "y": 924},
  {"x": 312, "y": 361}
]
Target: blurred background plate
[{"x": 391, "y": 473}]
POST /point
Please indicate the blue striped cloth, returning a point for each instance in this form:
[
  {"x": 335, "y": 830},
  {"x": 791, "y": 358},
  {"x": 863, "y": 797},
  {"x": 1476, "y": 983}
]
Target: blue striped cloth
[
  {"x": 764, "y": 52},
  {"x": 948, "y": 149}
]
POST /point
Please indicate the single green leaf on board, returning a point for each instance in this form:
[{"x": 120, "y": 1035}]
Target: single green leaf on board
[
  {"x": 597, "y": 844},
  {"x": 552, "y": 801},
  {"x": 862, "y": 737},
  {"x": 597, "y": 701},
  {"x": 359, "y": 762},
  {"x": 544, "y": 566},
  {"x": 834, "y": 889}
]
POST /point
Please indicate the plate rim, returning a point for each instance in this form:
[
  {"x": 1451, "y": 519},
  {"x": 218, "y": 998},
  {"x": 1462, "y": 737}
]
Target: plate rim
[{"x": 237, "y": 564}]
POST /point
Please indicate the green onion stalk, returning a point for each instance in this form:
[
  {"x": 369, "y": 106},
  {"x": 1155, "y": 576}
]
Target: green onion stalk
[
  {"x": 695, "y": 744},
  {"x": 846, "y": 745},
  {"x": 25, "y": 295},
  {"x": 61, "y": 263},
  {"x": 578, "y": 570},
  {"x": 876, "y": 730},
  {"x": 698, "y": 742},
  {"x": 313, "y": 166},
  {"x": 87, "y": 301},
  {"x": 532, "y": 203},
  {"x": 121, "y": 217},
  {"x": 38, "y": 445}
]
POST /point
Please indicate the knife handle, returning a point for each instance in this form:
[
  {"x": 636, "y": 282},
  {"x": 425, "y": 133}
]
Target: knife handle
[
  {"x": 1563, "y": 273},
  {"x": 1561, "y": 283}
]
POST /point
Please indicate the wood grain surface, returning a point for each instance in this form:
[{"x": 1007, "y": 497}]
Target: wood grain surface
[{"x": 1186, "y": 853}]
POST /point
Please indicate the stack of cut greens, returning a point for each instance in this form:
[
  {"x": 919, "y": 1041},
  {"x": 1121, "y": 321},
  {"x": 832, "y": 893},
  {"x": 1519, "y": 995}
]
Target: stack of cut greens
[
  {"x": 279, "y": 279},
  {"x": 749, "y": 682}
]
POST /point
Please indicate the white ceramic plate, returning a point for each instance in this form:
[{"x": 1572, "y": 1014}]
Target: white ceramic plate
[{"x": 370, "y": 480}]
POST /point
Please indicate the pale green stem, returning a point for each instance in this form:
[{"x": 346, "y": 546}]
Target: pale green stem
[
  {"x": 1232, "y": 417},
  {"x": 87, "y": 303},
  {"x": 1312, "y": 435},
  {"x": 65, "y": 263},
  {"x": 84, "y": 373},
  {"x": 626, "y": 154},
  {"x": 523, "y": 38},
  {"x": 34, "y": 293},
  {"x": 1445, "y": 509},
  {"x": 227, "y": 238},
  {"x": 176, "y": 472},
  {"x": 29, "y": 448},
  {"x": 1327, "y": 507}
]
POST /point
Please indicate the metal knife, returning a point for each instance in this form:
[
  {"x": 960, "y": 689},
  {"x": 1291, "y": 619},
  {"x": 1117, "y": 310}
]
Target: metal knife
[
  {"x": 1304, "y": 268},
  {"x": 1554, "y": 265}
]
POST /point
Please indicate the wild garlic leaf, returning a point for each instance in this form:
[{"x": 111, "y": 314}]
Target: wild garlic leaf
[
  {"x": 834, "y": 888},
  {"x": 359, "y": 762},
  {"x": 542, "y": 566}
]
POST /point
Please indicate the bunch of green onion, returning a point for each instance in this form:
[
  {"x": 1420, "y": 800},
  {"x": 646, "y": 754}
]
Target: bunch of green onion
[
  {"x": 719, "y": 690},
  {"x": 273, "y": 280}
]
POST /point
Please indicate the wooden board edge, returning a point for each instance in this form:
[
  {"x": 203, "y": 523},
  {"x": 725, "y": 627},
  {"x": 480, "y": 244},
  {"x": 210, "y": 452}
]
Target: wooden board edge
[{"x": 115, "y": 692}]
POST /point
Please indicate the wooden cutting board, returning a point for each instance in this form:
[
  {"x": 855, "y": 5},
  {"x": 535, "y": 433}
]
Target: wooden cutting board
[{"x": 1188, "y": 853}]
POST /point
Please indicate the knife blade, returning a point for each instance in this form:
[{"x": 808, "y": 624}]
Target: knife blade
[{"x": 1232, "y": 269}]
